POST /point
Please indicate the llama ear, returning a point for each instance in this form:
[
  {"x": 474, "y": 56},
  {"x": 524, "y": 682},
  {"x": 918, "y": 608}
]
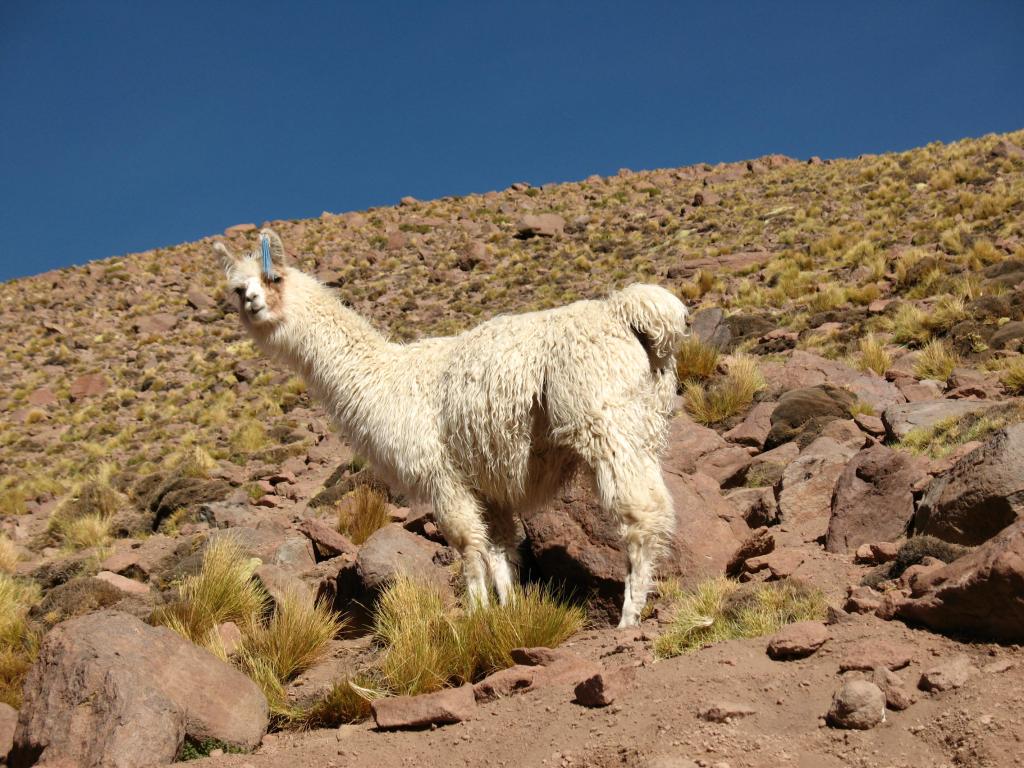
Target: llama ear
[
  {"x": 227, "y": 258},
  {"x": 276, "y": 246}
]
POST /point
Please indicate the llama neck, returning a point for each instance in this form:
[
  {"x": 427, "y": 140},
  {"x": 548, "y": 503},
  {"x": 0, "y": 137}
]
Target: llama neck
[{"x": 338, "y": 353}]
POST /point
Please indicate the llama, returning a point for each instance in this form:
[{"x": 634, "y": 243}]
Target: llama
[{"x": 492, "y": 422}]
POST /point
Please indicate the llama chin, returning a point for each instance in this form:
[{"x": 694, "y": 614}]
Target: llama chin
[{"x": 492, "y": 422}]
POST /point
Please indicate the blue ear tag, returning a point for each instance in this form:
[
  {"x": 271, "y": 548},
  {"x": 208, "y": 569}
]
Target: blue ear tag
[{"x": 268, "y": 270}]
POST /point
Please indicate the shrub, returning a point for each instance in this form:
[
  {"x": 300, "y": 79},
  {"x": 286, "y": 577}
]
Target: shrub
[
  {"x": 19, "y": 640},
  {"x": 362, "y": 512},
  {"x": 935, "y": 361},
  {"x": 946, "y": 436},
  {"x": 873, "y": 355},
  {"x": 726, "y": 397},
  {"x": 8, "y": 555},
  {"x": 912, "y": 552},
  {"x": 1013, "y": 377},
  {"x": 720, "y": 609},
  {"x": 84, "y": 517},
  {"x": 696, "y": 360}
]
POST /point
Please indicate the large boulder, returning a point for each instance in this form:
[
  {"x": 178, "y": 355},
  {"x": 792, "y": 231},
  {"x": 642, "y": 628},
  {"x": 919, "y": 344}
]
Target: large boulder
[
  {"x": 574, "y": 542},
  {"x": 801, "y": 414},
  {"x": 873, "y": 499},
  {"x": 391, "y": 551},
  {"x": 901, "y": 419},
  {"x": 808, "y": 482},
  {"x": 692, "y": 448},
  {"x": 805, "y": 369},
  {"x": 111, "y": 691},
  {"x": 980, "y": 495},
  {"x": 981, "y": 593}
]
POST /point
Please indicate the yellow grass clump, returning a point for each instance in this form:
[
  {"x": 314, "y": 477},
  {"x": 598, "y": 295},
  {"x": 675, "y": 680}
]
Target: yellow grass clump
[
  {"x": 719, "y": 609},
  {"x": 696, "y": 360},
  {"x": 873, "y": 355},
  {"x": 935, "y": 361},
  {"x": 362, "y": 512},
  {"x": 19, "y": 640},
  {"x": 8, "y": 555},
  {"x": 941, "y": 439},
  {"x": 726, "y": 397}
]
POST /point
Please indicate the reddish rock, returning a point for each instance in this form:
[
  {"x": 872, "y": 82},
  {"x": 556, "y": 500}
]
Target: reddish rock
[
  {"x": 161, "y": 322},
  {"x": 88, "y": 385},
  {"x": 804, "y": 369},
  {"x": 876, "y": 553},
  {"x": 507, "y": 682},
  {"x": 877, "y": 653},
  {"x": 693, "y": 448},
  {"x": 779, "y": 564},
  {"x": 760, "y": 543},
  {"x": 450, "y": 705},
  {"x": 8, "y": 724},
  {"x": 801, "y": 414},
  {"x": 981, "y": 495},
  {"x": 807, "y": 486},
  {"x": 230, "y": 637},
  {"x": 109, "y": 690},
  {"x": 126, "y": 585},
  {"x": 873, "y": 425},
  {"x": 902, "y": 418},
  {"x": 327, "y": 542},
  {"x": 980, "y": 593},
  {"x": 239, "y": 229},
  {"x": 872, "y": 498},
  {"x": 797, "y": 640},
  {"x": 754, "y": 428},
  {"x": 862, "y": 599},
  {"x": 197, "y": 298},
  {"x": 757, "y": 506},
  {"x": 947, "y": 675},
  {"x": 541, "y": 225},
  {"x": 603, "y": 688},
  {"x": 897, "y": 696},
  {"x": 42, "y": 396}
]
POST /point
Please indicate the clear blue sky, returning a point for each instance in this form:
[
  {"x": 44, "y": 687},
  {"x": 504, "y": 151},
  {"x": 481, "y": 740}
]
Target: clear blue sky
[{"x": 135, "y": 124}]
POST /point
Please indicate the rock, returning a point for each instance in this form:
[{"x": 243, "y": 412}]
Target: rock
[
  {"x": 576, "y": 542},
  {"x": 197, "y": 298},
  {"x": 801, "y": 414},
  {"x": 804, "y": 369},
  {"x": 692, "y": 448},
  {"x": 726, "y": 712},
  {"x": 541, "y": 225},
  {"x": 519, "y": 678},
  {"x": 239, "y": 229},
  {"x": 807, "y": 486},
  {"x": 779, "y": 565},
  {"x": 877, "y": 653},
  {"x": 560, "y": 667},
  {"x": 603, "y": 688},
  {"x": 948, "y": 675},
  {"x": 123, "y": 584},
  {"x": 979, "y": 593},
  {"x": 900, "y": 419},
  {"x": 109, "y": 690},
  {"x": 710, "y": 328},
  {"x": 1008, "y": 336},
  {"x": 754, "y": 428},
  {"x": 982, "y": 493},
  {"x": 897, "y": 696},
  {"x": 1005, "y": 148},
  {"x": 797, "y": 640},
  {"x": 767, "y": 468},
  {"x": 449, "y": 705},
  {"x": 8, "y": 723},
  {"x": 41, "y": 397},
  {"x": 859, "y": 704},
  {"x": 872, "y": 498},
  {"x": 873, "y": 425},
  {"x": 326, "y": 541},
  {"x": 876, "y": 553},
  {"x": 278, "y": 583},
  {"x": 160, "y": 323},
  {"x": 393, "y": 550},
  {"x": 862, "y": 599},
  {"x": 408, "y": 200},
  {"x": 760, "y": 543},
  {"x": 847, "y": 434},
  {"x": 757, "y": 506},
  {"x": 230, "y": 637},
  {"x": 88, "y": 385}
]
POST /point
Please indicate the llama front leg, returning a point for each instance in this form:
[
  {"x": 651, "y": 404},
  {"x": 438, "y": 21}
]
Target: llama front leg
[
  {"x": 460, "y": 519},
  {"x": 636, "y": 494}
]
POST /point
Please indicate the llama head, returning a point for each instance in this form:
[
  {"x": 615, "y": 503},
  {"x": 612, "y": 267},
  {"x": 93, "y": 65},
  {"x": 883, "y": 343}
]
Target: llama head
[{"x": 260, "y": 296}]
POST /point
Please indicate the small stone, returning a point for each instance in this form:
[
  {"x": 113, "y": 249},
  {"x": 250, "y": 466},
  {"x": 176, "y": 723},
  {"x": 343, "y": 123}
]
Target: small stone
[
  {"x": 897, "y": 697},
  {"x": 866, "y": 657},
  {"x": 124, "y": 584},
  {"x": 449, "y": 705},
  {"x": 602, "y": 688},
  {"x": 8, "y": 722},
  {"x": 945, "y": 677},
  {"x": 859, "y": 705},
  {"x": 726, "y": 712},
  {"x": 798, "y": 640}
]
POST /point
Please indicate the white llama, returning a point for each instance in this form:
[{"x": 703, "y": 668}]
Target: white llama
[{"x": 492, "y": 422}]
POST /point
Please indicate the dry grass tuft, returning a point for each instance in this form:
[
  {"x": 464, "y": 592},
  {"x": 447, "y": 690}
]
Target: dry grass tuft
[
  {"x": 935, "y": 361},
  {"x": 428, "y": 644},
  {"x": 84, "y": 518},
  {"x": 696, "y": 360},
  {"x": 19, "y": 640},
  {"x": 717, "y": 610},
  {"x": 362, "y": 512},
  {"x": 8, "y": 555},
  {"x": 1013, "y": 377},
  {"x": 873, "y": 355},
  {"x": 249, "y": 437},
  {"x": 222, "y": 591},
  {"x": 348, "y": 701},
  {"x": 726, "y": 397}
]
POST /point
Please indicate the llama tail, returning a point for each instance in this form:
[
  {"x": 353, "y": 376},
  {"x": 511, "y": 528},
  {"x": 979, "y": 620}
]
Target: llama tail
[{"x": 656, "y": 317}]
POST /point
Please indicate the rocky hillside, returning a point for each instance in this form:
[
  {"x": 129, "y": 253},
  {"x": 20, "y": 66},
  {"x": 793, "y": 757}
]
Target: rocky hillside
[{"x": 846, "y": 460}]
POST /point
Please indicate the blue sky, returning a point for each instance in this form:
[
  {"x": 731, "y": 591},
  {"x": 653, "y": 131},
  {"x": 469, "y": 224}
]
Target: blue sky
[{"x": 130, "y": 125}]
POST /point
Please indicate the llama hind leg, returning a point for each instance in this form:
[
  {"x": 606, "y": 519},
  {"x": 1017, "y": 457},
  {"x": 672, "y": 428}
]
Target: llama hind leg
[
  {"x": 636, "y": 494},
  {"x": 460, "y": 519},
  {"x": 503, "y": 556}
]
